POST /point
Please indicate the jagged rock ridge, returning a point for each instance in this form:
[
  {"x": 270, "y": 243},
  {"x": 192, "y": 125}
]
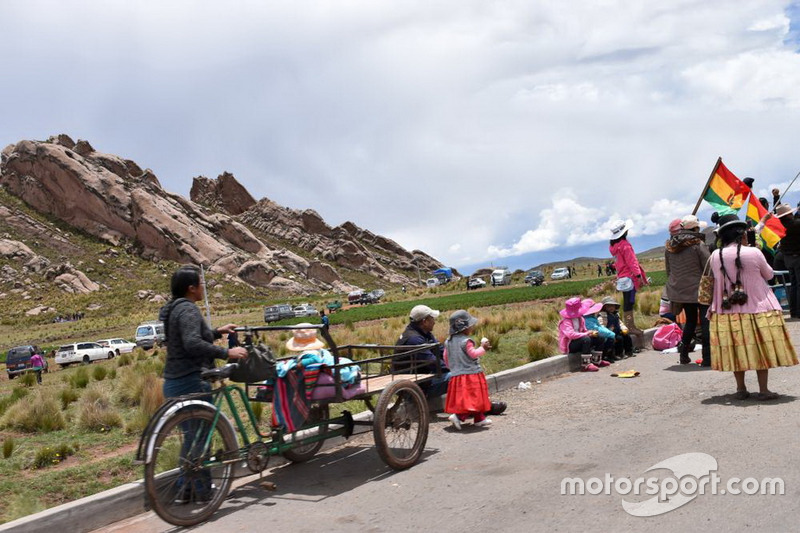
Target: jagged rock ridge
[{"x": 221, "y": 226}]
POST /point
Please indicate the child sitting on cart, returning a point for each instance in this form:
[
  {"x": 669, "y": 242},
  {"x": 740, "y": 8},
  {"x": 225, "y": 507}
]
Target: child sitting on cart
[{"x": 467, "y": 392}]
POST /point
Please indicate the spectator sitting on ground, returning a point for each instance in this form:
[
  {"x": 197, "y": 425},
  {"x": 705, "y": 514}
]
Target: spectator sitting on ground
[
  {"x": 573, "y": 337},
  {"x": 609, "y": 317},
  {"x": 604, "y": 341}
]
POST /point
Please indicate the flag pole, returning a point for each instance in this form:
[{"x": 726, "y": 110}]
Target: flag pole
[
  {"x": 788, "y": 187},
  {"x": 705, "y": 189}
]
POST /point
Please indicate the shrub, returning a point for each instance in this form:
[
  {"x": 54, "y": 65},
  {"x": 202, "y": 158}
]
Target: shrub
[
  {"x": 8, "y": 447},
  {"x": 542, "y": 346},
  {"x": 22, "y": 504},
  {"x": 16, "y": 394},
  {"x": 136, "y": 424},
  {"x": 152, "y": 394},
  {"x": 124, "y": 360},
  {"x": 28, "y": 379},
  {"x": 42, "y": 413},
  {"x": 649, "y": 302},
  {"x": 50, "y": 455},
  {"x": 80, "y": 379},
  {"x": 68, "y": 396},
  {"x": 96, "y": 413},
  {"x": 142, "y": 355},
  {"x": 99, "y": 372},
  {"x": 112, "y": 374}
]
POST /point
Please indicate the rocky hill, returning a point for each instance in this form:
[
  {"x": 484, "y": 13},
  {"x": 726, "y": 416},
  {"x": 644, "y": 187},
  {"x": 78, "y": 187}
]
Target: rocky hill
[{"x": 69, "y": 187}]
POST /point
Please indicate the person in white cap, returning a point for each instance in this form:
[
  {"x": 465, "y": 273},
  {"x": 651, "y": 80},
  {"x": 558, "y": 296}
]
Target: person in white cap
[
  {"x": 630, "y": 276},
  {"x": 419, "y": 331}
]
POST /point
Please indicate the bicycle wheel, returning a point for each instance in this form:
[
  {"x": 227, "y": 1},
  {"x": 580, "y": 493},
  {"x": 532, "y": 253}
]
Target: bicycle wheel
[
  {"x": 186, "y": 480},
  {"x": 400, "y": 425},
  {"x": 298, "y": 454}
]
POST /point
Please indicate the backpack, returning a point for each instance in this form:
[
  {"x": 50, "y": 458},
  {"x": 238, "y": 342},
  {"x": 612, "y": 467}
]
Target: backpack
[{"x": 667, "y": 336}]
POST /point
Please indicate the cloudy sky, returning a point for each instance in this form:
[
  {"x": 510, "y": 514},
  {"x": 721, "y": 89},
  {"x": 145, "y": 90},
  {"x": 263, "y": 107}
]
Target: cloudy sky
[{"x": 478, "y": 131}]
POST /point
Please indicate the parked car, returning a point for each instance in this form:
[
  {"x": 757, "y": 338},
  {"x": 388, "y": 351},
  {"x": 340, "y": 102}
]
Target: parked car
[
  {"x": 475, "y": 283},
  {"x": 150, "y": 334},
  {"x": 373, "y": 296},
  {"x": 355, "y": 297},
  {"x": 305, "y": 310},
  {"x": 560, "y": 273},
  {"x": 534, "y": 277},
  {"x": 117, "y": 346},
  {"x": 501, "y": 276},
  {"x": 278, "y": 312},
  {"x": 432, "y": 282},
  {"x": 334, "y": 306},
  {"x": 80, "y": 352},
  {"x": 18, "y": 359}
]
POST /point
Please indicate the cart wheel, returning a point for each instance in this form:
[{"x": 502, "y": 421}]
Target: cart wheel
[
  {"x": 185, "y": 480},
  {"x": 400, "y": 426},
  {"x": 303, "y": 453}
]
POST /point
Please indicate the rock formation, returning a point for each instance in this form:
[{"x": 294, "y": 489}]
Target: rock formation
[{"x": 221, "y": 226}]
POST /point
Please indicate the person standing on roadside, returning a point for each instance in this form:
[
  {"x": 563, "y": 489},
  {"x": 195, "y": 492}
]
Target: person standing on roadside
[
  {"x": 746, "y": 321},
  {"x": 630, "y": 276},
  {"x": 790, "y": 252},
  {"x": 190, "y": 341},
  {"x": 685, "y": 258}
]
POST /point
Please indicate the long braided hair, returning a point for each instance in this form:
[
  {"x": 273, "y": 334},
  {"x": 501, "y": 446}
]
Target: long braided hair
[{"x": 727, "y": 236}]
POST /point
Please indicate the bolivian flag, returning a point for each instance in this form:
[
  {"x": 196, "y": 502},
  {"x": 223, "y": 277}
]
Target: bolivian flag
[
  {"x": 726, "y": 193},
  {"x": 773, "y": 229}
]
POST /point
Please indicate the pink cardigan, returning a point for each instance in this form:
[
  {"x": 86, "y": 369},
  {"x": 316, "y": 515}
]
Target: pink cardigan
[
  {"x": 754, "y": 275},
  {"x": 567, "y": 332}
]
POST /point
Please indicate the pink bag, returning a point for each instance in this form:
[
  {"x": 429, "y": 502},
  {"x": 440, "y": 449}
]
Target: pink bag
[{"x": 667, "y": 336}]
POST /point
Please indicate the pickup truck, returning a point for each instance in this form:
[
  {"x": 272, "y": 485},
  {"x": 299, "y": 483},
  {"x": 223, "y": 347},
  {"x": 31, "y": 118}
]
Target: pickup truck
[{"x": 334, "y": 306}]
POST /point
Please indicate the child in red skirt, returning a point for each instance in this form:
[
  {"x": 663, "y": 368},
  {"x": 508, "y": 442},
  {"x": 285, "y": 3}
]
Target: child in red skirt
[{"x": 467, "y": 392}]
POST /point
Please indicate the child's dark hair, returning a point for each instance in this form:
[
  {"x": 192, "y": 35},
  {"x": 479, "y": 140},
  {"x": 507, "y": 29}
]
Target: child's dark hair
[{"x": 182, "y": 279}]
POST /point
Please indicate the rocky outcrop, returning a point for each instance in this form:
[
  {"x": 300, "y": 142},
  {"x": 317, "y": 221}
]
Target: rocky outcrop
[
  {"x": 224, "y": 194},
  {"x": 70, "y": 279},
  {"x": 221, "y": 226}
]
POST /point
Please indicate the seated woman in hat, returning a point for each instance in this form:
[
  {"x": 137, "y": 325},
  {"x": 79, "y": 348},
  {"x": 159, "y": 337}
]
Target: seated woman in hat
[
  {"x": 609, "y": 317},
  {"x": 573, "y": 337}
]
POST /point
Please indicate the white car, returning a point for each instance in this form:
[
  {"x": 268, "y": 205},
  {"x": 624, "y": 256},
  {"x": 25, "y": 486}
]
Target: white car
[
  {"x": 305, "y": 310},
  {"x": 116, "y": 346},
  {"x": 80, "y": 352},
  {"x": 560, "y": 273}
]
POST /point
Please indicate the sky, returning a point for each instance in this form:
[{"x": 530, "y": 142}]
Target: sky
[{"x": 481, "y": 132}]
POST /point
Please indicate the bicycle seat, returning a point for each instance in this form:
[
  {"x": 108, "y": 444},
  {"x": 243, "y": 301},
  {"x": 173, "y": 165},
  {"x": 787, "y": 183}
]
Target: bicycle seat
[{"x": 215, "y": 374}]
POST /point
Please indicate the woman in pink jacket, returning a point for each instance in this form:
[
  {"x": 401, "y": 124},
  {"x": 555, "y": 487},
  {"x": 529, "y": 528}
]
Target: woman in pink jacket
[
  {"x": 630, "y": 276},
  {"x": 573, "y": 337},
  {"x": 746, "y": 321}
]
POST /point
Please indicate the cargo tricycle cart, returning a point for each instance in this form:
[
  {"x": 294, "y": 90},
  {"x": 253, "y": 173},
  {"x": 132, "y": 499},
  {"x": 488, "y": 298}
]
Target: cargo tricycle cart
[{"x": 195, "y": 445}]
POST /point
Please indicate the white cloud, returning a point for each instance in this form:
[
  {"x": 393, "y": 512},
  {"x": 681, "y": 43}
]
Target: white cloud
[{"x": 508, "y": 127}]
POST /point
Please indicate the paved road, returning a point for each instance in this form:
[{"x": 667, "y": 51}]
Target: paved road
[{"x": 508, "y": 477}]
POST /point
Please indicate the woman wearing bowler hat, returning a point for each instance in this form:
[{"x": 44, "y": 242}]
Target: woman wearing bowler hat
[{"x": 746, "y": 321}]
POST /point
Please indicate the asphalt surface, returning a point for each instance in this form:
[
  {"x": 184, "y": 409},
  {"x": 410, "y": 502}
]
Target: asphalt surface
[{"x": 509, "y": 477}]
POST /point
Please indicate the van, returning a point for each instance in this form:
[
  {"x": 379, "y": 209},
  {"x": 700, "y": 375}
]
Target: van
[
  {"x": 18, "y": 359},
  {"x": 150, "y": 334},
  {"x": 501, "y": 276},
  {"x": 274, "y": 313},
  {"x": 355, "y": 297}
]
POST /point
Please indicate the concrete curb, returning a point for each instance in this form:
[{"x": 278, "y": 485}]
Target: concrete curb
[{"x": 105, "y": 508}]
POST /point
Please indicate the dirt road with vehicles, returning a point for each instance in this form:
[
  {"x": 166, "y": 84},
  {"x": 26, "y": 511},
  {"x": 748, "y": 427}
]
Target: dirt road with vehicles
[{"x": 580, "y": 426}]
